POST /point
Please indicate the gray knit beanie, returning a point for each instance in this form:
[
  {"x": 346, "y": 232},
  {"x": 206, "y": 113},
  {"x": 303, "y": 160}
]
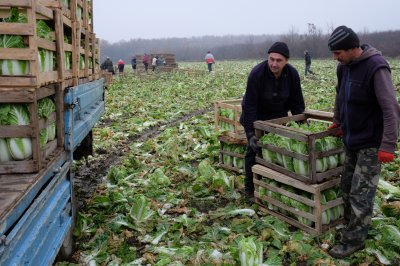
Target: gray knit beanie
[{"x": 343, "y": 38}]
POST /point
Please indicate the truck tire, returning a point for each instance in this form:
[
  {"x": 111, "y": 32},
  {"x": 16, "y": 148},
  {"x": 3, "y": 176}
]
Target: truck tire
[{"x": 68, "y": 246}]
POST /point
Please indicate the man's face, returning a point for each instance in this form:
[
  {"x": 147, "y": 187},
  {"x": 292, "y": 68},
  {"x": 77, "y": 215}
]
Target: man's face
[
  {"x": 343, "y": 56},
  {"x": 276, "y": 63}
]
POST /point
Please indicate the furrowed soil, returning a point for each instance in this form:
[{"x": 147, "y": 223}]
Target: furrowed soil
[{"x": 89, "y": 173}]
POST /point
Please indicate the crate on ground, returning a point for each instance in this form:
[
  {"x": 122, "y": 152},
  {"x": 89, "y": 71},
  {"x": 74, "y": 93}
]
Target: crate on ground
[
  {"x": 226, "y": 118},
  {"x": 108, "y": 77},
  {"x": 28, "y": 133},
  {"x": 232, "y": 153},
  {"x": 34, "y": 40},
  {"x": 290, "y": 147},
  {"x": 313, "y": 208}
]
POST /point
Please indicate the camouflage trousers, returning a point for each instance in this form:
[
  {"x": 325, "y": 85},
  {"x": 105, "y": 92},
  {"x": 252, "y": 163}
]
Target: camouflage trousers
[{"x": 358, "y": 183}]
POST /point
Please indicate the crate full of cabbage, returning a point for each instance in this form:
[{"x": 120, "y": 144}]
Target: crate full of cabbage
[
  {"x": 313, "y": 208},
  {"x": 28, "y": 45},
  {"x": 30, "y": 129},
  {"x": 301, "y": 147},
  {"x": 232, "y": 153},
  {"x": 227, "y": 114}
]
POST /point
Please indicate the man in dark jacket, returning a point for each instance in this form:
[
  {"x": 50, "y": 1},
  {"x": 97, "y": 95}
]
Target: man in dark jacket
[
  {"x": 307, "y": 58},
  {"x": 368, "y": 115},
  {"x": 108, "y": 65},
  {"x": 273, "y": 89}
]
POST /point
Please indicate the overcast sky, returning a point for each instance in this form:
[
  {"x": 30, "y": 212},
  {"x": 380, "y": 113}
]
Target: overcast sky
[{"x": 116, "y": 20}]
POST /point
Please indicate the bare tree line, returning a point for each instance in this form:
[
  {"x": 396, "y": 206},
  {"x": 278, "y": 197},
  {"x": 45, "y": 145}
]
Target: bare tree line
[{"x": 232, "y": 47}]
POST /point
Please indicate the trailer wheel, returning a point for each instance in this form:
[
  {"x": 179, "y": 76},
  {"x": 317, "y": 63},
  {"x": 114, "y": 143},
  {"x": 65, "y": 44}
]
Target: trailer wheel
[{"x": 68, "y": 245}]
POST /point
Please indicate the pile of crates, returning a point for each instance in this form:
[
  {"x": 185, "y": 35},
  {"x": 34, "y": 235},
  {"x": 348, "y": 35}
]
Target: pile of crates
[
  {"x": 29, "y": 83},
  {"x": 232, "y": 139},
  {"x": 309, "y": 200},
  {"x": 168, "y": 63}
]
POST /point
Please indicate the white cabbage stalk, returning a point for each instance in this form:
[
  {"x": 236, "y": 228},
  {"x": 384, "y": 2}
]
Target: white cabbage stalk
[
  {"x": 51, "y": 131},
  {"x": 250, "y": 252},
  {"x": 20, "y": 148},
  {"x": 5, "y": 155},
  {"x": 14, "y": 67}
]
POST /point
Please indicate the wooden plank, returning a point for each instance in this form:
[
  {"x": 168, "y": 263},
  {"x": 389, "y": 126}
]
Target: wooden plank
[
  {"x": 44, "y": 11},
  {"x": 22, "y": 167},
  {"x": 46, "y": 44},
  {"x": 17, "y": 95},
  {"x": 231, "y": 168},
  {"x": 18, "y": 54},
  {"x": 15, "y": 3},
  {"x": 277, "y": 176},
  {"x": 45, "y": 91},
  {"x": 50, "y": 3},
  {"x": 16, "y": 131},
  {"x": 17, "y": 28},
  {"x": 290, "y": 221}
]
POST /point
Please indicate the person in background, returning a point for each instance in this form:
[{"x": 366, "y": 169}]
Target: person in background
[
  {"x": 307, "y": 58},
  {"x": 209, "y": 60},
  {"x": 133, "y": 62},
  {"x": 108, "y": 65},
  {"x": 368, "y": 116},
  {"x": 145, "y": 61},
  {"x": 273, "y": 89},
  {"x": 121, "y": 65},
  {"x": 154, "y": 63}
]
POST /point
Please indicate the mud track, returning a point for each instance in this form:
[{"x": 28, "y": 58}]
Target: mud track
[{"x": 89, "y": 174}]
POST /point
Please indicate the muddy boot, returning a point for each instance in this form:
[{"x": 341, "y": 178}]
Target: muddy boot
[
  {"x": 250, "y": 196},
  {"x": 341, "y": 251}
]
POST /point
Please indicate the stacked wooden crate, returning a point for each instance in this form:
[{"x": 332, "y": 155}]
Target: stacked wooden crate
[
  {"x": 232, "y": 139},
  {"x": 168, "y": 59},
  {"x": 26, "y": 79},
  {"x": 301, "y": 197}
]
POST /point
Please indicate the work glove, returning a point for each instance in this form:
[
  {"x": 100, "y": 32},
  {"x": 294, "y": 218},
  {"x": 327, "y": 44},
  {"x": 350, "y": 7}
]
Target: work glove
[
  {"x": 338, "y": 133},
  {"x": 385, "y": 157},
  {"x": 253, "y": 143}
]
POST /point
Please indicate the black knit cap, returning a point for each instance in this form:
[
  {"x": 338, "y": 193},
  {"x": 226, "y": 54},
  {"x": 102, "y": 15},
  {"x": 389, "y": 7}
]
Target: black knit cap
[
  {"x": 343, "y": 38},
  {"x": 280, "y": 48}
]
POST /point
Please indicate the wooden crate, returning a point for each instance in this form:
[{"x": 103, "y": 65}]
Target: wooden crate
[
  {"x": 277, "y": 126},
  {"x": 289, "y": 214},
  {"x": 108, "y": 77},
  {"x": 236, "y": 129},
  {"x": 33, "y": 11},
  {"x": 40, "y": 156},
  {"x": 225, "y": 141}
]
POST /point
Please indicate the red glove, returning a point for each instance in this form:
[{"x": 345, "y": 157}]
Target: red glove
[
  {"x": 338, "y": 133},
  {"x": 385, "y": 157}
]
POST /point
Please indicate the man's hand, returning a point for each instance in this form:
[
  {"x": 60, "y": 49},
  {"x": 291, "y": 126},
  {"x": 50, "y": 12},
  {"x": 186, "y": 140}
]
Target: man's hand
[
  {"x": 339, "y": 133},
  {"x": 385, "y": 157},
  {"x": 253, "y": 143}
]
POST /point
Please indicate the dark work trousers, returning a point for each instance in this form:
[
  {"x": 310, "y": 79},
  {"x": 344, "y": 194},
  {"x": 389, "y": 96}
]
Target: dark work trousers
[
  {"x": 358, "y": 183},
  {"x": 209, "y": 67},
  {"x": 249, "y": 161}
]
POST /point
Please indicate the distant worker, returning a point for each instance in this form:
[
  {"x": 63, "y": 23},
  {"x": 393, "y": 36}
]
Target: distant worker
[
  {"x": 108, "y": 65},
  {"x": 307, "y": 58},
  {"x": 154, "y": 63},
  {"x": 133, "y": 62},
  {"x": 209, "y": 60},
  {"x": 145, "y": 61},
  {"x": 121, "y": 65}
]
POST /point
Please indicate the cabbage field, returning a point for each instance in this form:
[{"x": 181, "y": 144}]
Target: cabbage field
[{"x": 153, "y": 193}]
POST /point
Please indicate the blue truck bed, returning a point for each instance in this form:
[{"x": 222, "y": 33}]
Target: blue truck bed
[{"x": 36, "y": 210}]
